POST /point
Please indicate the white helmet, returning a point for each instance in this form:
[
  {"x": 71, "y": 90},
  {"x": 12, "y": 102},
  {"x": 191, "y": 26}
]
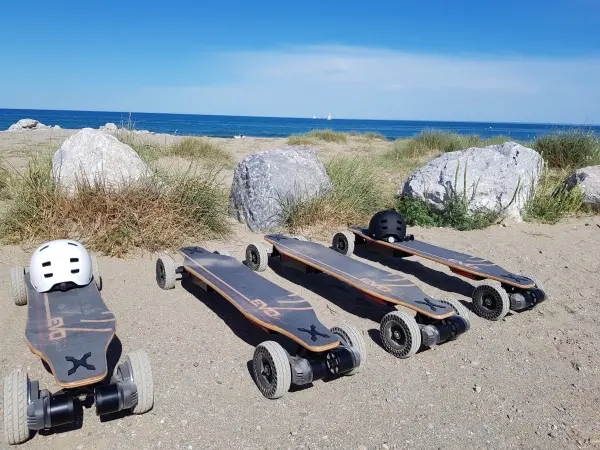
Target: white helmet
[{"x": 60, "y": 261}]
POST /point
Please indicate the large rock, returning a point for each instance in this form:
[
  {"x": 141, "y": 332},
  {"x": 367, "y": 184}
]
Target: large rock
[
  {"x": 96, "y": 156},
  {"x": 108, "y": 127},
  {"x": 264, "y": 181},
  {"x": 493, "y": 174},
  {"x": 588, "y": 180},
  {"x": 26, "y": 124}
]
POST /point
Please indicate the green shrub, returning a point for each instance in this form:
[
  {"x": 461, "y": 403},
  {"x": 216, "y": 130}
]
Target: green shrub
[
  {"x": 317, "y": 135},
  {"x": 454, "y": 211},
  {"x": 569, "y": 149},
  {"x": 551, "y": 201},
  {"x": 199, "y": 148}
]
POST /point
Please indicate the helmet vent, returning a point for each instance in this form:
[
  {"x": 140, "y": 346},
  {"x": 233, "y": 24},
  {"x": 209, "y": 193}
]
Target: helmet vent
[
  {"x": 44, "y": 248},
  {"x": 73, "y": 244},
  {"x": 75, "y": 271},
  {"x": 74, "y": 259},
  {"x": 384, "y": 221},
  {"x": 48, "y": 275},
  {"x": 46, "y": 264}
]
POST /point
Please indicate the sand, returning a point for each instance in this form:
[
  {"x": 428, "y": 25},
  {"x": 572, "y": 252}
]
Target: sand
[{"x": 531, "y": 380}]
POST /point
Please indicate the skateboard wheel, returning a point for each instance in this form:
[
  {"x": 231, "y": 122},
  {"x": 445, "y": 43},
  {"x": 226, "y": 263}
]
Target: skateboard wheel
[
  {"x": 139, "y": 366},
  {"x": 460, "y": 310},
  {"x": 343, "y": 242},
  {"x": 18, "y": 287},
  {"x": 15, "y": 407},
  {"x": 165, "y": 271},
  {"x": 400, "y": 334},
  {"x": 96, "y": 272},
  {"x": 272, "y": 371},
  {"x": 351, "y": 337},
  {"x": 490, "y": 300},
  {"x": 257, "y": 257},
  {"x": 223, "y": 252}
]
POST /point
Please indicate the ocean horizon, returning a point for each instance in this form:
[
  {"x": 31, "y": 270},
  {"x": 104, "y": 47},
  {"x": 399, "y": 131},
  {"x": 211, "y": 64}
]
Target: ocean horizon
[{"x": 271, "y": 127}]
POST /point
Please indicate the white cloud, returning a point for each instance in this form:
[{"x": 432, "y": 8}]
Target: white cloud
[{"x": 374, "y": 83}]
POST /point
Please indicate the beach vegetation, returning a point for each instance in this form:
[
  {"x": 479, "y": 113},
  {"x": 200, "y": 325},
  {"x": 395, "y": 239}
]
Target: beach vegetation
[
  {"x": 356, "y": 194},
  {"x": 551, "y": 200},
  {"x": 161, "y": 211},
  {"x": 571, "y": 149},
  {"x": 315, "y": 136},
  {"x": 4, "y": 182},
  {"x": 454, "y": 212}
]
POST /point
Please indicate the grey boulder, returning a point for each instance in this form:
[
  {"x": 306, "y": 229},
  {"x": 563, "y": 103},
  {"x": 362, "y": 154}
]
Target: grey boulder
[
  {"x": 92, "y": 156},
  {"x": 264, "y": 182},
  {"x": 588, "y": 180},
  {"x": 498, "y": 178},
  {"x": 26, "y": 124}
]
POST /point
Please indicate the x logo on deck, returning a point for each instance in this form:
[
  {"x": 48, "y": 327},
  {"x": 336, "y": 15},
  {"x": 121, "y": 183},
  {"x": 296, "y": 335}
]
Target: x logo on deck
[
  {"x": 431, "y": 305},
  {"x": 313, "y": 333},
  {"x": 79, "y": 363}
]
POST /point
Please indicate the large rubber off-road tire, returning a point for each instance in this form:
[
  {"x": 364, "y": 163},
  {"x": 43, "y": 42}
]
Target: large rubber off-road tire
[
  {"x": 96, "y": 272},
  {"x": 460, "y": 310},
  {"x": 343, "y": 242},
  {"x": 223, "y": 252},
  {"x": 165, "y": 271},
  {"x": 18, "y": 288},
  {"x": 272, "y": 371},
  {"x": 139, "y": 366},
  {"x": 400, "y": 334},
  {"x": 351, "y": 337},
  {"x": 257, "y": 257},
  {"x": 490, "y": 300},
  {"x": 15, "y": 407}
]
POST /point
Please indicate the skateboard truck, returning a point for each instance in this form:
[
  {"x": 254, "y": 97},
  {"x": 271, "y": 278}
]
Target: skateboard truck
[
  {"x": 46, "y": 410},
  {"x": 442, "y": 330},
  {"x": 337, "y": 361}
]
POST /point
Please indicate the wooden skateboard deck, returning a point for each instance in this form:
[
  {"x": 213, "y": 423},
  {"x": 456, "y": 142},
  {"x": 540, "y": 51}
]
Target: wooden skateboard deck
[
  {"x": 260, "y": 300},
  {"x": 71, "y": 332},
  {"x": 375, "y": 283},
  {"x": 458, "y": 262}
]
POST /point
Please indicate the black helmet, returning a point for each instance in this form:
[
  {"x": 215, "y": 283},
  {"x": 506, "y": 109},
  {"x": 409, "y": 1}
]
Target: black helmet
[{"x": 387, "y": 223}]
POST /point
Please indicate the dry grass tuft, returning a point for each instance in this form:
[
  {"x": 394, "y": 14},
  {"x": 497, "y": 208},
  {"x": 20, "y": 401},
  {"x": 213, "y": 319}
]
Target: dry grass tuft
[
  {"x": 159, "y": 212},
  {"x": 356, "y": 195}
]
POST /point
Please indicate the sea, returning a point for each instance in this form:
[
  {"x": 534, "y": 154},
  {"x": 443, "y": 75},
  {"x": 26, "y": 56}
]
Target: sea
[{"x": 230, "y": 126}]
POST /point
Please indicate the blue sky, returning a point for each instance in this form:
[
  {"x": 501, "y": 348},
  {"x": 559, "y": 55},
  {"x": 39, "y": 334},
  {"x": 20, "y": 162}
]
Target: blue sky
[{"x": 432, "y": 60}]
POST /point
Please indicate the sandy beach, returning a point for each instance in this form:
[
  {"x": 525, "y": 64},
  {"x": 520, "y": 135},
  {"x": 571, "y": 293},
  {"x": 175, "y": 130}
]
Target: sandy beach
[{"x": 529, "y": 381}]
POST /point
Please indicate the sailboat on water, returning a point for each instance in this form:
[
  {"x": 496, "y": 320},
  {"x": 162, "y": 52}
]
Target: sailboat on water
[
  {"x": 329, "y": 116},
  {"x": 314, "y": 116}
]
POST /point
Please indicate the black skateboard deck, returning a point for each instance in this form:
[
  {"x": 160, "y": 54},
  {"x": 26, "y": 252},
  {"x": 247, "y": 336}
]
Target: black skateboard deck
[
  {"x": 375, "y": 283},
  {"x": 71, "y": 332},
  {"x": 458, "y": 262},
  {"x": 260, "y": 300}
]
